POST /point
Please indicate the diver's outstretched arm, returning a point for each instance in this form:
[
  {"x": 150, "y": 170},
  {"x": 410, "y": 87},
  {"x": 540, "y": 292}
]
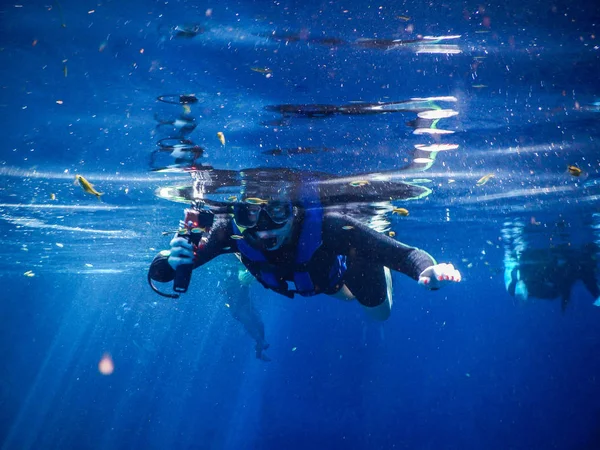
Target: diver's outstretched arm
[{"x": 346, "y": 235}]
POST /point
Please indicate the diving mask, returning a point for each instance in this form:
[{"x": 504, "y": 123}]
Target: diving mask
[{"x": 247, "y": 215}]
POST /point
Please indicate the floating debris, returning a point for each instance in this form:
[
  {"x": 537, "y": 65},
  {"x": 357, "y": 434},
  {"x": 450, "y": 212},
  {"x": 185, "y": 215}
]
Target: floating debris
[
  {"x": 404, "y": 18},
  {"x": 221, "y": 137},
  {"x": 106, "y": 366},
  {"x": 29, "y": 274},
  {"x": 263, "y": 70},
  {"x": 392, "y": 234},
  {"x": 484, "y": 179}
]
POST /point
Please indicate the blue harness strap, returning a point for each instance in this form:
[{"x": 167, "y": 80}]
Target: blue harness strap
[
  {"x": 310, "y": 238},
  {"x": 254, "y": 255}
]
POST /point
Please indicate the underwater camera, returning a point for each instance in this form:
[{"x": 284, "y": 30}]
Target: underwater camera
[{"x": 197, "y": 221}]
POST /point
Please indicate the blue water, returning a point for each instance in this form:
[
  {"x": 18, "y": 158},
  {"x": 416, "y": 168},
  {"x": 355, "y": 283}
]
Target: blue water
[{"x": 467, "y": 367}]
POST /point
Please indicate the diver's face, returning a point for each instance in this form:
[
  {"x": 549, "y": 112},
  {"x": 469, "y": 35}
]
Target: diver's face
[
  {"x": 269, "y": 225},
  {"x": 274, "y": 239}
]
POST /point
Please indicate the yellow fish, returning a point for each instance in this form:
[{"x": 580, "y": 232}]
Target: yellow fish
[
  {"x": 401, "y": 211},
  {"x": 392, "y": 234},
  {"x": 237, "y": 237},
  {"x": 347, "y": 227},
  {"x": 574, "y": 170},
  {"x": 484, "y": 179},
  {"x": 359, "y": 183},
  {"x": 232, "y": 198},
  {"x": 255, "y": 201},
  {"x": 221, "y": 137},
  {"x": 87, "y": 186},
  {"x": 52, "y": 196}
]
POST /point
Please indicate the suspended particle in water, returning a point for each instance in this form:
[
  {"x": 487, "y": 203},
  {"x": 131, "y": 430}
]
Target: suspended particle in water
[{"x": 106, "y": 365}]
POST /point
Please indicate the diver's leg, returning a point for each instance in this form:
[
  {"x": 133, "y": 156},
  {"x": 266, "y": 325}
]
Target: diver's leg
[
  {"x": 242, "y": 310},
  {"x": 510, "y": 276},
  {"x": 372, "y": 287}
]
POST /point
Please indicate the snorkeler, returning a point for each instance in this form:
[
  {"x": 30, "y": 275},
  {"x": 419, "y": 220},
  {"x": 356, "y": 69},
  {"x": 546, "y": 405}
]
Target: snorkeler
[
  {"x": 550, "y": 273},
  {"x": 299, "y": 248}
]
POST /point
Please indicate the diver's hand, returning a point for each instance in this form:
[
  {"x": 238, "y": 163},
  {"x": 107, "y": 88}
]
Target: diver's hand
[
  {"x": 434, "y": 277},
  {"x": 182, "y": 252},
  {"x": 260, "y": 348}
]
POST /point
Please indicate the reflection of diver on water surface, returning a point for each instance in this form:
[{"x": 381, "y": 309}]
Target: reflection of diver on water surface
[
  {"x": 183, "y": 125},
  {"x": 368, "y": 43},
  {"x": 185, "y": 153},
  {"x": 182, "y": 31},
  {"x": 310, "y": 111},
  {"x": 178, "y": 99},
  {"x": 303, "y": 37},
  {"x": 291, "y": 151},
  {"x": 428, "y": 112},
  {"x": 549, "y": 272}
]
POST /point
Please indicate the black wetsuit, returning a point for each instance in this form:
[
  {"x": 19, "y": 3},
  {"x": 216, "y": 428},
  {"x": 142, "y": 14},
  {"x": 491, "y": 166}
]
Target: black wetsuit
[{"x": 367, "y": 251}]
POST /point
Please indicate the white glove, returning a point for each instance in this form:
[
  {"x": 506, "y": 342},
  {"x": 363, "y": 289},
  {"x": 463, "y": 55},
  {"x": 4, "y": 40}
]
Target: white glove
[
  {"x": 434, "y": 277},
  {"x": 182, "y": 252}
]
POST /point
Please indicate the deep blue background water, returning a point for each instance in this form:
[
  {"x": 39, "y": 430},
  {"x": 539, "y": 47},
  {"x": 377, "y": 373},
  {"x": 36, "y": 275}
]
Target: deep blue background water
[{"x": 462, "y": 368}]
